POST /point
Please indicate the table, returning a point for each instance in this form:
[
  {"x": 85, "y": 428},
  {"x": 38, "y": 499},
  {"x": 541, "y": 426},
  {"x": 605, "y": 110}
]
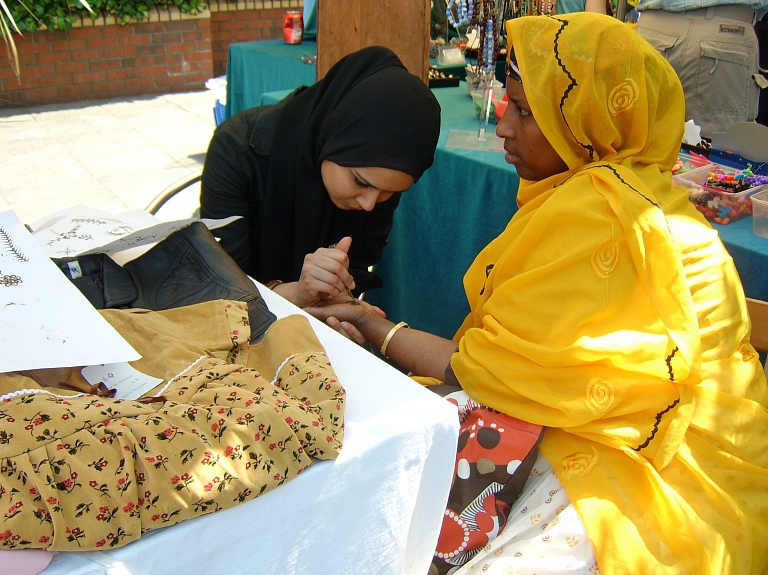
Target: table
[
  {"x": 749, "y": 253},
  {"x": 254, "y": 68},
  {"x": 378, "y": 508},
  {"x": 257, "y": 67},
  {"x": 457, "y": 207}
]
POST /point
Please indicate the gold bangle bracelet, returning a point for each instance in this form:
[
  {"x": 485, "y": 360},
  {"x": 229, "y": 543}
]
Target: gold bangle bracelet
[
  {"x": 389, "y": 337},
  {"x": 273, "y": 284}
]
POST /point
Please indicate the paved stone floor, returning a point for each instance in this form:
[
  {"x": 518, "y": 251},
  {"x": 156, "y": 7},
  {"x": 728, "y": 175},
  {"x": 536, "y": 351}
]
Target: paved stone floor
[{"x": 115, "y": 155}]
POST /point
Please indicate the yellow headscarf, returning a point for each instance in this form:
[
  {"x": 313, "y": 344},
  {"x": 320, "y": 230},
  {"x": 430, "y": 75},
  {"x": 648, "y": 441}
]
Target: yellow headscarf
[
  {"x": 609, "y": 312},
  {"x": 599, "y": 91}
]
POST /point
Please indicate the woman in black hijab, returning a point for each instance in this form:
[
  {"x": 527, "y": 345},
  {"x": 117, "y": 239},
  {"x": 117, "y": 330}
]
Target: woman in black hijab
[{"x": 322, "y": 168}]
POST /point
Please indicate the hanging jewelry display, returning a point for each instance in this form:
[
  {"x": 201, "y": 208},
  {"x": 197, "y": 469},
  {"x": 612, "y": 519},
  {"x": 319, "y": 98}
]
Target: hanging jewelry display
[
  {"x": 459, "y": 12},
  {"x": 532, "y": 8},
  {"x": 485, "y": 32},
  {"x": 487, "y": 50},
  {"x": 489, "y": 40}
]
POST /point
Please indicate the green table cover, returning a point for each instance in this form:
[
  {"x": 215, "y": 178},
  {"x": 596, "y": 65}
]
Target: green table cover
[
  {"x": 257, "y": 67},
  {"x": 457, "y": 207}
]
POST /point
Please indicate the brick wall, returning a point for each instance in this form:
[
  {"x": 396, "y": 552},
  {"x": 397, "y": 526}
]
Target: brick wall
[
  {"x": 248, "y": 21},
  {"x": 172, "y": 52}
]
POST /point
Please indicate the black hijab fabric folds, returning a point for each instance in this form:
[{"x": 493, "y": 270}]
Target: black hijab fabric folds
[{"x": 368, "y": 111}]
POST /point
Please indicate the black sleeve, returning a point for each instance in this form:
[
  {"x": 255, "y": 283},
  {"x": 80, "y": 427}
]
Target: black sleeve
[{"x": 230, "y": 186}]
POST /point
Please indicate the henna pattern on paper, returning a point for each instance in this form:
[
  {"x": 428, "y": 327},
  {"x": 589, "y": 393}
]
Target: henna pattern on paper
[
  {"x": 71, "y": 234},
  {"x": 10, "y": 247},
  {"x": 89, "y": 221},
  {"x": 10, "y": 280}
]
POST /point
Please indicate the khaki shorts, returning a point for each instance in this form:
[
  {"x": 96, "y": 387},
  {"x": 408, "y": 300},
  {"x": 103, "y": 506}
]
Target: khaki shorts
[{"x": 715, "y": 54}]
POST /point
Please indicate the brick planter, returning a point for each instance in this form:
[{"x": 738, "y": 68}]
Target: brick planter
[{"x": 171, "y": 52}]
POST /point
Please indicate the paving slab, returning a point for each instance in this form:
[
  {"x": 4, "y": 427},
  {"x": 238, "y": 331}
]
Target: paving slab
[{"x": 114, "y": 155}]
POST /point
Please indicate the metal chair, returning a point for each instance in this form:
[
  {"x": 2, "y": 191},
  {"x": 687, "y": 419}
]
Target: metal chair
[{"x": 178, "y": 186}]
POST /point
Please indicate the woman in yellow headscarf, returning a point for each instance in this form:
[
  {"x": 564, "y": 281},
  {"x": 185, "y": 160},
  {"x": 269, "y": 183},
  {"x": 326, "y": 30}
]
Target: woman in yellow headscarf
[{"x": 609, "y": 312}]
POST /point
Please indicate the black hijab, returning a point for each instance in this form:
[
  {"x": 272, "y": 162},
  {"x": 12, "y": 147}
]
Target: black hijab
[{"x": 368, "y": 111}]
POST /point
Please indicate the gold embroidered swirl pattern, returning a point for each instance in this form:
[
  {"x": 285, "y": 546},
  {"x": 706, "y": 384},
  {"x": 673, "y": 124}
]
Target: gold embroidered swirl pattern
[
  {"x": 599, "y": 396},
  {"x": 578, "y": 464},
  {"x": 605, "y": 258},
  {"x": 623, "y": 97},
  {"x": 747, "y": 351}
]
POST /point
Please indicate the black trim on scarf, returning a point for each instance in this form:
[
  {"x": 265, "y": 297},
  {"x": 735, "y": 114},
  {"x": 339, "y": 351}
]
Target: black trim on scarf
[
  {"x": 656, "y": 426},
  {"x": 669, "y": 363},
  {"x": 588, "y": 147},
  {"x": 488, "y": 269},
  {"x": 618, "y": 177}
]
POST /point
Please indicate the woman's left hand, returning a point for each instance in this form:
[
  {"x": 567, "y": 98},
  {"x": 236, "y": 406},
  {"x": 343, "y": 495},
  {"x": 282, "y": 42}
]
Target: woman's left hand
[
  {"x": 346, "y": 315},
  {"x": 346, "y": 329}
]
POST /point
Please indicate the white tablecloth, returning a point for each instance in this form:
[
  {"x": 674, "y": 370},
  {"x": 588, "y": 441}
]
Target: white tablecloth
[{"x": 376, "y": 509}]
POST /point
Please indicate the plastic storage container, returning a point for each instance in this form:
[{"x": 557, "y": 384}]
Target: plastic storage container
[
  {"x": 498, "y": 103},
  {"x": 717, "y": 205},
  {"x": 760, "y": 214},
  {"x": 688, "y": 161}
]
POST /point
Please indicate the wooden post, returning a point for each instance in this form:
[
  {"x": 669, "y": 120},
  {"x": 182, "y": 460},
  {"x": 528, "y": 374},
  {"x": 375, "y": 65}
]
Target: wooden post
[{"x": 345, "y": 26}]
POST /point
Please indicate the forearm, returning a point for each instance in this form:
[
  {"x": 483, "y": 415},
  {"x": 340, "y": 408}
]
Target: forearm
[
  {"x": 419, "y": 352},
  {"x": 598, "y": 6}
]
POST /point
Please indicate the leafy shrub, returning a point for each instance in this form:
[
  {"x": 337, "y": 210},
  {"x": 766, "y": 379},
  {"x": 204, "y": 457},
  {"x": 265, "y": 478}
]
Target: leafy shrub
[{"x": 32, "y": 15}]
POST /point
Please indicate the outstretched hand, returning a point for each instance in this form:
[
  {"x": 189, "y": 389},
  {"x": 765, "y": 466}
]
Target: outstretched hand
[{"x": 346, "y": 315}]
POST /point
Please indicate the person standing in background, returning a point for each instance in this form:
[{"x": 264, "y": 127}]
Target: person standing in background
[
  {"x": 761, "y": 29},
  {"x": 713, "y": 47}
]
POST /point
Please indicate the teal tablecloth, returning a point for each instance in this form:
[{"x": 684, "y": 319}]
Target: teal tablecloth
[
  {"x": 750, "y": 254},
  {"x": 457, "y": 207},
  {"x": 257, "y": 67}
]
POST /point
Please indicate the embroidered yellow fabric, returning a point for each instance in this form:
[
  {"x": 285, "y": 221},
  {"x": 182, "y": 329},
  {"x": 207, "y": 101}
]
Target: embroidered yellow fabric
[{"x": 80, "y": 473}]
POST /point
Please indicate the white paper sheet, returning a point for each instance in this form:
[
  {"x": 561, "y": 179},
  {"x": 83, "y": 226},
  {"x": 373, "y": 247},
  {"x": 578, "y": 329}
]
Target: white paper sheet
[
  {"x": 129, "y": 382},
  {"x": 46, "y": 321},
  {"x": 76, "y": 235}
]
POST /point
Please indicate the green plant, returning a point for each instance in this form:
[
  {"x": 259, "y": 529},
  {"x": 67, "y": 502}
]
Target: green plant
[
  {"x": 19, "y": 16},
  {"x": 5, "y": 32}
]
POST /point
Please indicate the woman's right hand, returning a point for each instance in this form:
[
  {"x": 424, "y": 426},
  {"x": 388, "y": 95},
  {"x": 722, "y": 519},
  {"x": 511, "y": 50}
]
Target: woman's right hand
[{"x": 325, "y": 273}]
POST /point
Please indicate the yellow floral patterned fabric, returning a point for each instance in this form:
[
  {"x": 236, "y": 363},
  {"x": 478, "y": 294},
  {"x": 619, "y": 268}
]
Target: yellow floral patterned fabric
[
  {"x": 610, "y": 312},
  {"x": 79, "y": 472}
]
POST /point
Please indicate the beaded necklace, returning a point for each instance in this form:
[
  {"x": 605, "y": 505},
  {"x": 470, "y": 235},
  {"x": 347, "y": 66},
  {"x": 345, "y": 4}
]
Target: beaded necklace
[
  {"x": 464, "y": 12},
  {"x": 489, "y": 39}
]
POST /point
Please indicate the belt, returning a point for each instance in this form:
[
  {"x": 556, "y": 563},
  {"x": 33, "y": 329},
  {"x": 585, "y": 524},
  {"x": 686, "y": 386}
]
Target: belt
[{"x": 733, "y": 11}]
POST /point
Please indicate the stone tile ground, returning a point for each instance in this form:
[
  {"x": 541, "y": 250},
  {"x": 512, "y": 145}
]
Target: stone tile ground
[{"x": 115, "y": 155}]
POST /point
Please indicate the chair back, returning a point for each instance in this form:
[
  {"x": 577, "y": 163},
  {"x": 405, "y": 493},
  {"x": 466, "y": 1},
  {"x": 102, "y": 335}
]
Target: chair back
[
  {"x": 758, "y": 314},
  {"x": 175, "y": 188}
]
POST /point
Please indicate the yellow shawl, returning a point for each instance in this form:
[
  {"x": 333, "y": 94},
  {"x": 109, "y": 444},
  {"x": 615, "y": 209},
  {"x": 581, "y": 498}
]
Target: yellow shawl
[{"x": 609, "y": 311}]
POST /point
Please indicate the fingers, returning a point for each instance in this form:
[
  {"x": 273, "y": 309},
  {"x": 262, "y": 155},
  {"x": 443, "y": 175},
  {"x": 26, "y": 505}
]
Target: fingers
[
  {"x": 346, "y": 329},
  {"x": 325, "y": 270},
  {"x": 344, "y": 244}
]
